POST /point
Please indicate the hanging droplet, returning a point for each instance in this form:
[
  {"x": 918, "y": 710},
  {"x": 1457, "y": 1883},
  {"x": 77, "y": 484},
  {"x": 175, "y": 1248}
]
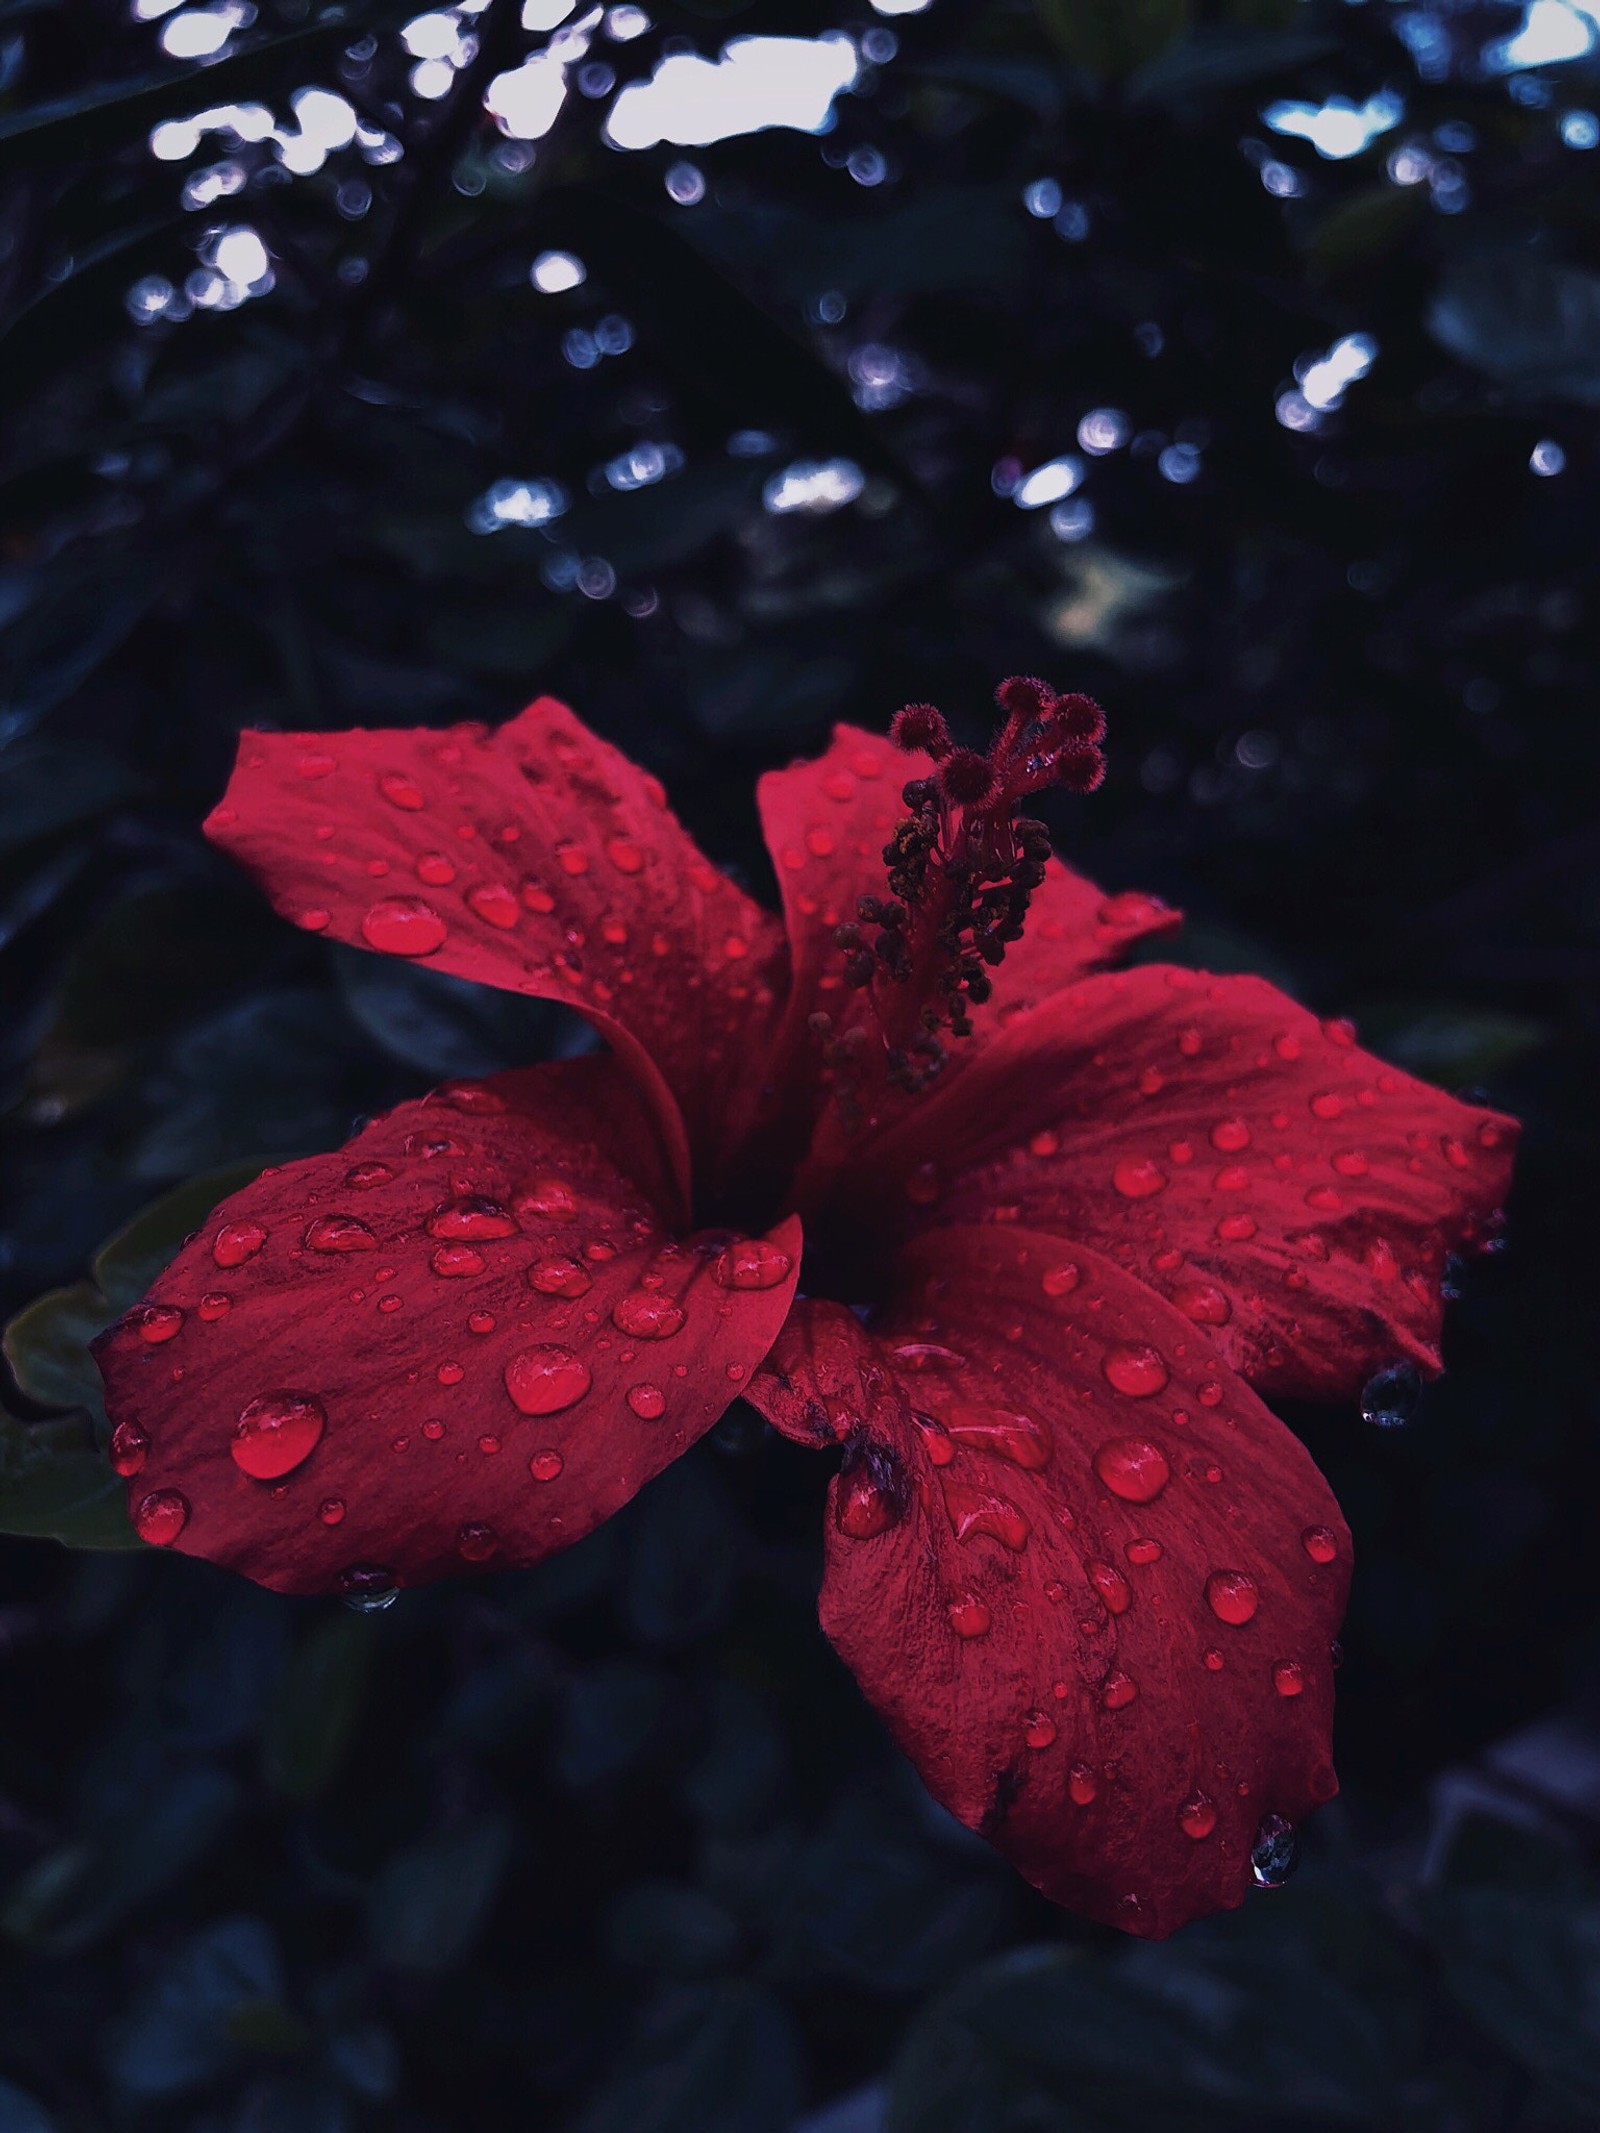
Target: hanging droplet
[
  {"x": 161, "y": 1516},
  {"x": 276, "y": 1433},
  {"x": 476, "y": 1542},
  {"x": 872, "y": 1490},
  {"x": 368, "y": 1588},
  {"x": 1275, "y": 1853},
  {"x": 1389, "y": 1398}
]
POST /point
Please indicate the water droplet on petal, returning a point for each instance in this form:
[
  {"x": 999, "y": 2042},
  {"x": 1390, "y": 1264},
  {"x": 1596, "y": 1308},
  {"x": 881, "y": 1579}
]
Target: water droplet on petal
[
  {"x": 161, "y": 1516},
  {"x": 754, "y": 1264},
  {"x": 129, "y": 1448},
  {"x": 361, "y": 1177},
  {"x": 1321, "y": 1543},
  {"x": 647, "y": 1401},
  {"x": 215, "y": 1304},
  {"x": 969, "y": 1616},
  {"x": 1389, "y": 1398},
  {"x": 1136, "y": 1177},
  {"x": 1136, "y": 1370},
  {"x": 559, "y": 1277},
  {"x": 1081, "y": 1785},
  {"x": 1133, "y": 1468},
  {"x": 1039, "y": 1729},
  {"x": 435, "y": 870},
  {"x": 339, "y": 1233},
  {"x": 547, "y": 1200},
  {"x": 236, "y": 1242},
  {"x": 1203, "y": 1302},
  {"x": 494, "y": 903},
  {"x": 1112, "y": 1587},
  {"x": 645, "y": 1316},
  {"x": 1006, "y": 1432},
  {"x": 1143, "y": 1551},
  {"x": 470, "y": 1216},
  {"x": 542, "y": 1381},
  {"x": 1232, "y": 1596},
  {"x": 456, "y": 1261},
  {"x": 331, "y": 1510},
  {"x": 1060, "y": 1280},
  {"x": 403, "y": 925},
  {"x": 158, "y": 1322},
  {"x": 400, "y": 791},
  {"x": 1275, "y": 1853},
  {"x": 1289, "y": 1678},
  {"x": 276, "y": 1433},
  {"x": 315, "y": 764},
  {"x": 572, "y": 859},
  {"x": 1236, "y": 1229},
  {"x": 546, "y": 1465},
  {"x": 476, "y": 1542},
  {"x": 1197, "y": 1817},
  {"x": 1117, "y": 1691},
  {"x": 624, "y": 855},
  {"x": 1230, "y": 1135},
  {"x": 872, "y": 1490}
]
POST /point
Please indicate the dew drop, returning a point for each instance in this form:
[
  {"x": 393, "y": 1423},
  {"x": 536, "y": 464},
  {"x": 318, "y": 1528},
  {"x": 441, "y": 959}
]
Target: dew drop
[
  {"x": 368, "y": 1588},
  {"x": 542, "y": 1381},
  {"x": 1203, "y": 1302},
  {"x": 470, "y": 1216},
  {"x": 645, "y": 1316},
  {"x": 129, "y": 1449},
  {"x": 1389, "y": 1398},
  {"x": 331, "y": 1510},
  {"x": 1005, "y": 1432},
  {"x": 435, "y": 871},
  {"x": 215, "y": 1304},
  {"x": 361, "y": 1177},
  {"x": 1232, "y": 1596},
  {"x": 546, "y": 1465},
  {"x": 339, "y": 1233},
  {"x": 1143, "y": 1551},
  {"x": 315, "y": 764},
  {"x": 1045, "y": 1144},
  {"x": 647, "y": 1401},
  {"x": 1275, "y": 1853},
  {"x": 1321, "y": 1543},
  {"x": 1136, "y": 1177},
  {"x": 494, "y": 903},
  {"x": 871, "y": 1490},
  {"x": 476, "y": 1542},
  {"x": 1112, "y": 1587},
  {"x": 1135, "y": 1370},
  {"x": 400, "y": 791},
  {"x": 1197, "y": 1817},
  {"x": 625, "y": 855},
  {"x": 455, "y": 1261},
  {"x": 1289, "y": 1678},
  {"x": 236, "y": 1242},
  {"x": 1117, "y": 1691},
  {"x": 1133, "y": 1468},
  {"x": 480, "y": 1322},
  {"x": 161, "y": 1516},
  {"x": 158, "y": 1322},
  {"x": 559, "y": 1277},
  {"x": 536, "y": 897},
  {"x": 572, "y": 859},
  {"x": 754, "y": 1264},
  {"x": 969, "y": 1616},
  {"x": 1039, "y": 1729},
  {"x": 1081, "y": 1785},
  {"x": 276, "y": 1433},
  {"x": 1060, "y": 1280},
  {"x": 547, "y": 1200},
  {"x": 449, "y": 1373},
  {"x": 1236, "y": 1229},
  {"x": 403, "y": 925},
  {"x": 1229, "y": 1135}
]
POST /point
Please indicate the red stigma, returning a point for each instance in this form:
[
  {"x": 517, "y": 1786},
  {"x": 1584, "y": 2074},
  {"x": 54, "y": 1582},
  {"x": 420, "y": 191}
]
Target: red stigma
[{"x": 921, "y": 726}]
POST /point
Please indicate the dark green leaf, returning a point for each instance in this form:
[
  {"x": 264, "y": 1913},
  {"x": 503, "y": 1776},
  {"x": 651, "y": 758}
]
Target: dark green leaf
[
  {"x": 220, "y": 1994},
  {"x": 319, "y": 1701},
  {"x": 706, "y": 2059},
  {"x": 56, "y": 1484},
  {"x": 432, "y": 1901}
]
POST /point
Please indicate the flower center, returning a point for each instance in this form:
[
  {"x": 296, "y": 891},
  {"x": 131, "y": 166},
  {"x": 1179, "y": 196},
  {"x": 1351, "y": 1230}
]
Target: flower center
[{"x": 962, "y": 869}]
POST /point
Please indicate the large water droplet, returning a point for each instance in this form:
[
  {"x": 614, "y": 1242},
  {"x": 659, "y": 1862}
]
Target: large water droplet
[
  {"x": 547, "y": 1200},
  {"x": 974, "y": 1511},
  {"x": 157, "y": 1323},
  {"x": 542, "y": 1381},
  {"x": 339, "y": 1233},
  {"x": 1136, "y": 1370},
  {"x": 161, "y": 1516},
  {"x": 1003, "y": 1431},
  {"x": 236, "y": 1242},
  {"x": 1389, "y": 1398},
  {"x": 1137, "y": 1178},
  {"x": 1112, "y": 1587},
  {"x": 470, "y": 1216},
  {"x": 754, "y": 1264},
  {"x": 1133, "y": 1468},
  {"x": 559, "y": 1277},
  {"x": 1232, "y": 1596},
  {"x": 403, "y": 925},
  {"x": 276, "y": 1433},
  {"x": 1275, "y": 1853},
  {"x": 969, "y": 1616},
  {"x": 647, "y": 1401},
  {"x": 646, "y": 1316},
  {"x": 456, "y": 1262}
]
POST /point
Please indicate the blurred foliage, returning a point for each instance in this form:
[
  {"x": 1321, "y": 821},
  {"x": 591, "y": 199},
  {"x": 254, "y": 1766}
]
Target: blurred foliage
[{"x": 614, "y": 1844}]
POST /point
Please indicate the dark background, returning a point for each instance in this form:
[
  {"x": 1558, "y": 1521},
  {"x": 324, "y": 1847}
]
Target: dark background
[{"x": 614, "y": 1845}]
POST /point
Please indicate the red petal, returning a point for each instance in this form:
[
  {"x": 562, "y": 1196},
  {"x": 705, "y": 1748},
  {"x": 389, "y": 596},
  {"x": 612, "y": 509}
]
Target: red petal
[
  {"x": 1089, "y": 1581},
  {"x": 467, "y": 1337},
  {"x": 535, "y": 858},
  {"x": 1292, "y": 1195},
  {"x": 826, "y": 823}
]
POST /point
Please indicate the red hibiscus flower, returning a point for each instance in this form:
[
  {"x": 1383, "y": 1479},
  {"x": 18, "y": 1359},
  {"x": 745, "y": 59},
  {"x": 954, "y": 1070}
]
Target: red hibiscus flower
[{"x": 1062, "y": 1226}]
